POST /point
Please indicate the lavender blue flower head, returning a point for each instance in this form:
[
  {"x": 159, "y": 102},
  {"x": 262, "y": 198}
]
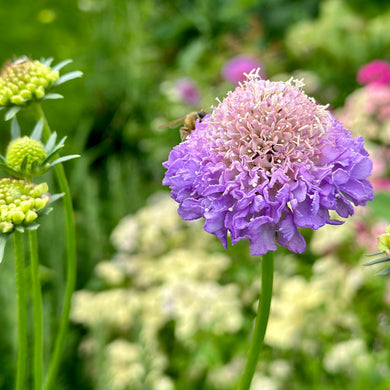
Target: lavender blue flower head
[{"x": 267, "y": 161}]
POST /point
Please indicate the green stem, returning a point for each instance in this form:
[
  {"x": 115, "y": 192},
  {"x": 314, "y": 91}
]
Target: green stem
[
  {"x": 37, "y": 310},
  {"x": 70, "y": 256},
  {"x": 22, "y": 311},
  {"x": 267, "y": 273}
]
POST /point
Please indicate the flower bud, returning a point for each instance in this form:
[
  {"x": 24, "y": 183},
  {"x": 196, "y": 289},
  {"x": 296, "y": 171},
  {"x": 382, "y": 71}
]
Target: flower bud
[
  {"x": 384, "y": 242},
  {"x": 17, "y": 216},
  {"x": 17, "y": 151},
  {"x": 31, "y": 216},
  {"x": 6, "y": 227},
  {"x": 24, "y": 80},
  {"x": 24, "y": 202}
]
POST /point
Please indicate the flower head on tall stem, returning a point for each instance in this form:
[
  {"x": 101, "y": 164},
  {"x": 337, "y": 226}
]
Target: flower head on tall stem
[
  {"x": 27, "y": 157},
  {"x": 267, "y": 161},
  {"x": 21, "y": 205},
  {"x": 24, "y": 81}
]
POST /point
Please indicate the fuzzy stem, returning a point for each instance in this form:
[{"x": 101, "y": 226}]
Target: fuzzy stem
[
  {"x": 70, "y": 256},
  {"x": 37, "y": 310},
  {"x": 267, "y": 272},
  {"x": 22, "y": 311}
]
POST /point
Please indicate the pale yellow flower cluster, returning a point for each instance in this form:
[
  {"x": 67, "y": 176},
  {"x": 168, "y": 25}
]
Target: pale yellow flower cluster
[
  {"x": 303, "y": 309},
  {"x": 165, "y": 270},
  {"x": 130, "y": 364},
  {"x": 346, "y": 355},
  {"x": 112, "y": 308},
  {"x": 158, "y": 228}
]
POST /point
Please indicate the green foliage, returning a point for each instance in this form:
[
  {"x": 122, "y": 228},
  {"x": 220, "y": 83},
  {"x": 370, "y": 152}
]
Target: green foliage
[{"x": 131, "y": 53}]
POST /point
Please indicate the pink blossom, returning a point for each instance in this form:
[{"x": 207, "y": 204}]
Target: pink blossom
[
  {"x": 367, "y": 234},
  {"x": 187, "y": 91},
  {"x": 375, "y": 72},
  {"x": 235, "y": 68}
]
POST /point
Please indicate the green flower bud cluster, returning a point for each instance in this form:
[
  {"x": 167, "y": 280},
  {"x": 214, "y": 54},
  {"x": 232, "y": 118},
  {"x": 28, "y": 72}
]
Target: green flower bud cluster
[
  {"x": 24, "y": 80},
  {"x": 28, "y": 149},
  {"x": 20, "y": 203},
  {"x": 384, "y": 242}
]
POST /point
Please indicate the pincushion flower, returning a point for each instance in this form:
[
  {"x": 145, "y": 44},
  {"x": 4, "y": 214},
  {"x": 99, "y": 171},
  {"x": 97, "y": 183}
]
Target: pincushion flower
[{"x": 267, "y": 161}]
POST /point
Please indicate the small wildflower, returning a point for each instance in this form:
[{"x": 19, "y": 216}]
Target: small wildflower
[
  {"x": 23, "y": 81},
  {"x": 235, "y": 69},
  {"x": 267, "y": 161}
]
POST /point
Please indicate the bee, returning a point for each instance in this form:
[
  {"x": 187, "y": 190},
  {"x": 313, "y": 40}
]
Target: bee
[{"x": 188, "y": 123}]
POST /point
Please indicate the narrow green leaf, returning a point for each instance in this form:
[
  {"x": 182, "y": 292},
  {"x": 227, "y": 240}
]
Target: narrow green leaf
[
  {"x": 64, "y": 158},
  {"x": 3, "y": 242},
  {"x": 67, "y": 77},
  {"x": 23, "y": 164},
  {"x": 37, "y": 131},
  {"x": 15, "y": 129},
  {"x": 46, "y": 61},
  {"x": 61, "y": 64},
  {"x": 375, "y": 254},
  {"x": 385, "y": 272},
  {"x": 32, "y": 226},
  {"x": 55, "y": 197},
  {"x": 60, "y": 144},
  {"x": 381, "y": 260},
  {"x": 51, "y": 155},
  {"x": 12, "y": 112},
  {"x": 19, "y": 228},
  {"x": 52, "y": 96},
  {"x": 51, "y": 142},
  {"x": 46, "y": 211}
]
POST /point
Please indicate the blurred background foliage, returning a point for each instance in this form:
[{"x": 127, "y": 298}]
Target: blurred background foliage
[{"x": 132, "y": 53}]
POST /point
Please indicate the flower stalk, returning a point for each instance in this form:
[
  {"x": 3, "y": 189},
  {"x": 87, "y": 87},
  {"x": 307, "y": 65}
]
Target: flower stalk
[
  {"x": 70, "y": 257},
  {"x": 22, "y": 311},
  {"x": 267, "y": 272},
  {"x": 37, "y": 310}
]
